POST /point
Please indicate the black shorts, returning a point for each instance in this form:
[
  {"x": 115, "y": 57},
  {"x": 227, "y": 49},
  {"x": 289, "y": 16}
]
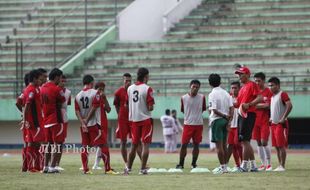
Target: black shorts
[{"x": 245, "y": 127}]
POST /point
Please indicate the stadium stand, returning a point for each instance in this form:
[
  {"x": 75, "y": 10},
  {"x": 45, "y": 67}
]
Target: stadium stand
[
  {"x": 32, "y": 23},
  {"x": 266, "y": 35}
]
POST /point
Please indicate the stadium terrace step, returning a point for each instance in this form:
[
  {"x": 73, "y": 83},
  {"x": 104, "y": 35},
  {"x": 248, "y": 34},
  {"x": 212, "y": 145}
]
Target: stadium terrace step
[
  {"x": 183, "y": 60},
  {"x": 60, "y": 30},
  {"x": 205, "y": 42},
  {"x": 267, "y": 35}
]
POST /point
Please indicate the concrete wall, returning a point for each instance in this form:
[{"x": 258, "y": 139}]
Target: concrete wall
[
  {"x": 301, "y": 108},
  {"x": 143, "y": 20}
]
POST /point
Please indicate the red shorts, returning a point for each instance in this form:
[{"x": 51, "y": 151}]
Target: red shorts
[
  {"x": 192, "y": 132},
  {"x": 279, "y": 135},
  {"x": 55, "y": 134},
  {"x": 94, "y": 137},
  {"x": 123, "y": 130},
  {"x": 261, "y": 132},
  {"x": 142, "y": 130},
  {"x": 233, "y": 136},
  {"x": 34, "y": 135}
]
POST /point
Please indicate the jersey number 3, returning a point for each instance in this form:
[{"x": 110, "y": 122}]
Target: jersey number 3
[
  {"x": 136, "y": 96},
  {"x": 85, "y": 102}
]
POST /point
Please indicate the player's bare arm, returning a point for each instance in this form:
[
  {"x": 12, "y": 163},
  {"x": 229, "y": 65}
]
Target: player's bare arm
[
  {"x": 150, "y": 108},
  {"x": 288, "y": 109},
  {"x": 107, "y": 106},
  {"x": 221, "y": 114},
  {"x": 80, "y": 118},
  {"x": 117, "y": 106},
  {"x": 24, "y": 123},
  {"x": 90, "y": 114},
  {"x": 19, "y": 107},
  {"x": 263, "y": 106},
  {"x": 258, "y": 99}
]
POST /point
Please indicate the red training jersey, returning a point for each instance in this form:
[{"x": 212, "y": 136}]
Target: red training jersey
[
  {"x": 52, "y": 99},
  {"x": 32, "y": 97},
  {"x": 264, "y": 113},
  {"x": 120, "y": 100},
  {"x": 101, "y": 115},
  {"x": 247, "y": 94}
]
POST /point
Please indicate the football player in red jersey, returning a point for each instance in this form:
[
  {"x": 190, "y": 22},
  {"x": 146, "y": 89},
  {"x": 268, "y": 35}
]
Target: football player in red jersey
[
  {"x": 52, "y": 99},
  {"x": 261, "y": 129},
  {"x": 20, "y": 105},
  {"x": 33, "y": 121}
]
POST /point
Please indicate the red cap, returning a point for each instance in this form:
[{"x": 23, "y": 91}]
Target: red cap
[{"x": 243, "y": 70}]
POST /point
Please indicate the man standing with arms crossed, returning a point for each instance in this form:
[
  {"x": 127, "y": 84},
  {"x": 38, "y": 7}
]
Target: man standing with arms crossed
[
  {"x": 141, "y": 102},
  {"x": 248, "y": 98},
  {"x": 193, "y": 105},
  {"x": 261, "y": 129}
]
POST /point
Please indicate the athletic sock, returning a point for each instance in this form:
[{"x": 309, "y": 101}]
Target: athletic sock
[
  {"x": 84, "y": 158},
  {"x": 42, "y": 156},
  {"x": 98, "y": 157},
  {"x": 244, "y": 164},
  {"x": 30, "y": 157},
  {"x": 261, "y": 154},
  {"x": 106, "y": 157},
  {"x": 24, "y": 155},
  {"x": 37, "y": 158},
  {"x": 253, "y": 164},
  {"x": 267, "y": 154}
]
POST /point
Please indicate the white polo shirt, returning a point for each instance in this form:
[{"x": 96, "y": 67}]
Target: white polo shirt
[{"x": 220, "y": 100}]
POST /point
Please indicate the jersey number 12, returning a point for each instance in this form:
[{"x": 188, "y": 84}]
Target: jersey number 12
[{"x": 85, "y": 102}]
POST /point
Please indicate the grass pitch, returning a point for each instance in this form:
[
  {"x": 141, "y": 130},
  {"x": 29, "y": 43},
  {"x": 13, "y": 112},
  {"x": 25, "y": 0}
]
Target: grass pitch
[{"x": 296, "y": 177}]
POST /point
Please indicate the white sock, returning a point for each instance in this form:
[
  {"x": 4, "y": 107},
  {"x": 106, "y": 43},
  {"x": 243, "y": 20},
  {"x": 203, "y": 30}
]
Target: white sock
[
  {"x": 253, "y": 164},
  {"x": 98, "y": 157},
  {"x": 244, "y": 164},
  {"x": 261, "y": 154},
  {"x": 267, "y": 152}
]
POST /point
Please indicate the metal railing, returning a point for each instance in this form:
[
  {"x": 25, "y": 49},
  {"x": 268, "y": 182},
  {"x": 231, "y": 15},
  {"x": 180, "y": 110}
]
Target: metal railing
[
  {"x": 64, "y": 36},
  {"x": 176, "y": 85}
]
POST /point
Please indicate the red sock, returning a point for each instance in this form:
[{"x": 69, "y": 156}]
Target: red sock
[
  {"x": 25, "y": 164},
  {"x": 105, "y": 153},
  {"x": 41, "y": 151},
  {"x": 37, "y": 158},
  {"x": 30, "y": 157},
  {"x": 84, "y": 157},
  {"x": 236, "y": 155}
]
